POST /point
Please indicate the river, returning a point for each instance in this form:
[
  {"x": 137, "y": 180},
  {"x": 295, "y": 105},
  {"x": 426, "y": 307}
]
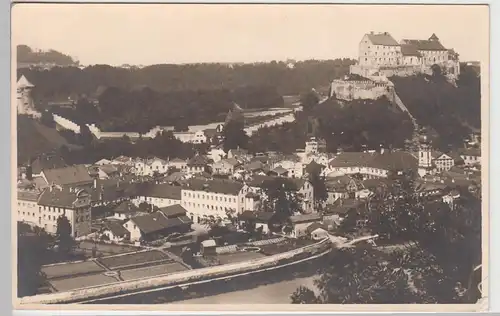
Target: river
[{"x": 276, "y": 293}]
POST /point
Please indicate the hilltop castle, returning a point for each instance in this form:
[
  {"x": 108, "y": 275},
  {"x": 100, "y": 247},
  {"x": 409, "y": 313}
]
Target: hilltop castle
[{"x": 381, "y": 56}]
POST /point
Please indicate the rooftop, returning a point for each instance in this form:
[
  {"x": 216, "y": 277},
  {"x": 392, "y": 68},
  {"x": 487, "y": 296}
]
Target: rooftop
[
  {"x": 77, "y": 174},
  {"x": 213, "y": 185},
  {"x": 164, "y": 190},
  {"x": 382, "y": 39}
]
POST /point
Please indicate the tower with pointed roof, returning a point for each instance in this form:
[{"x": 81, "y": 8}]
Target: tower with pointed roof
[
  {"x": 25, "y": 104},
  {"x": 424, "y": 156}
]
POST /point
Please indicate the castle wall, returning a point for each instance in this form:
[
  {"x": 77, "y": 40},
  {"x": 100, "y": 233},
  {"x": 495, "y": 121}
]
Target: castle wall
[{"x": 351, "y": 90}]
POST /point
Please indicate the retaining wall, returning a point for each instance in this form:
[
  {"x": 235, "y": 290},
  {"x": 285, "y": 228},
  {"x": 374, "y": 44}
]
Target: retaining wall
[{"x": 179, "y": 278}]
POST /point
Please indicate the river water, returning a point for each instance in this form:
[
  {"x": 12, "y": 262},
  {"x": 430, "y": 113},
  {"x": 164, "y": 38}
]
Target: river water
[
  {"x": 276, "y": 293},
  {"x": 269, "y": 287}
]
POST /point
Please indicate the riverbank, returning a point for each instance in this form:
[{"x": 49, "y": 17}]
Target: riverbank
[{"x": 269, "y": 287}]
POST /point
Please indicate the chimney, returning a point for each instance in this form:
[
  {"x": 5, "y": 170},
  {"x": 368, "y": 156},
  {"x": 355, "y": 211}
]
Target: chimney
[{"x": 371, "y": 33}]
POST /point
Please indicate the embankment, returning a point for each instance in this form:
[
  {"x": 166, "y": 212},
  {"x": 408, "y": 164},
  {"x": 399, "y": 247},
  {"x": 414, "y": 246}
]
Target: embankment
[{"x": 180, "y": 279}]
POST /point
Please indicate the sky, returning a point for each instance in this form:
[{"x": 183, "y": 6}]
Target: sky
[{"x": 145, "y": 34}]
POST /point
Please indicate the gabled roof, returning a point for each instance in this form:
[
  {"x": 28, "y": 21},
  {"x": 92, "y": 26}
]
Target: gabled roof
[
  {"x": 198, "y": 160},
  {"x": 305, "y": 218},
  {"x": 470, "y": 151},
  {"x": 175, "y": 210},
  {"x": 213, "y": 185},
  {"x": 24, "y": 83},
  {"x": 311, "y": 228},
  {"x": 433, "y": 45},
  {"x": 60, "y": 198},
  {"x": 177, "y": 160},
  {"x": 126, "y": 207},
  {"x": 46, "y": 161},
  {"x": 76, "y": 174},
  {"x": 410, "y": 50},
  {"x": 397, "y": 160},
  {"x": 279, "y": 170},
  {"x": 163, "y": 190},
  {"x": 382, "y": 39},
  {"x": 155, "y": 222},
  {"x": 117, "y": 229}
]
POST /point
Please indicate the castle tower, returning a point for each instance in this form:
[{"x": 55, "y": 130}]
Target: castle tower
[
  {"x": 424, "y": 156},
  {"x": 25, "y": 103}
]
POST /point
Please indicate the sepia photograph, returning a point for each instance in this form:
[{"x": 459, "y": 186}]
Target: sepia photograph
[{"x": 173, "y": 155}]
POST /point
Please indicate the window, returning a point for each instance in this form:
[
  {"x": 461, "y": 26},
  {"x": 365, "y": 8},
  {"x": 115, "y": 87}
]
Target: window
[{"x": 135, "y": 226}]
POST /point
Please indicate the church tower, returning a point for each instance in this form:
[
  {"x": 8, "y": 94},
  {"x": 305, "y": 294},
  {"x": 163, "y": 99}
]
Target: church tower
[
  {"x": 25, "y": 103},
  {"x": 424, "y": 156}
]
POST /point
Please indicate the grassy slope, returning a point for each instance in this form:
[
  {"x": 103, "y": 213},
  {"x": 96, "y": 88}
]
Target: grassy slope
[{"x": 34, "y": 138}]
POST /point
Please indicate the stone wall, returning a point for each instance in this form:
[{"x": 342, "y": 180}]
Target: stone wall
[{"x": 177, "y": 279}]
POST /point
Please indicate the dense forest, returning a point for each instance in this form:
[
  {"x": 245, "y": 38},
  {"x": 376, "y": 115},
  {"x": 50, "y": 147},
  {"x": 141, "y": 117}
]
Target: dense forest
[
  {"x": 352, "y": 126},
  {"x": 62, "y": 82},
  {"x": 141, "y": 109},
  {"x": 453, "y": 112},
  {"x": 27, "y": 55}
]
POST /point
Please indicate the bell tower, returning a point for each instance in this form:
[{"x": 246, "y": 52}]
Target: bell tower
[{"x": 424, "y": 156}]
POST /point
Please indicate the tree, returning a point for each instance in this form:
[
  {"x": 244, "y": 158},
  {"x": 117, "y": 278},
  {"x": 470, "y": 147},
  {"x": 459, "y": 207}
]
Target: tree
[
  {"x": 304, "y": 295},
  {"x": 32, "y": 251},
  {"x": 281, "y": 197},
  {"x": 86, "y": 136},
  {"x": 447, "y": 241},
  {"x": 309, "y": 100},
  {"x": 319, "y": 184},
  {"x": 234, "y": 136},
  {"x": 47, "y": 119},
  {"x": 64, "y": 239}
]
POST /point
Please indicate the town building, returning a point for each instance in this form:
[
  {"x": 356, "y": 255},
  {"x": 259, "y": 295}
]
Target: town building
[
  {"x": 198, "y": 164},
  {"x": 159, "y": 195},
  {"x": 302, "y": 186},
  {"x": 42, "y": 209},
  {"x": 203, "y": 198},
  {"x": 470, "y": 156},
  {"x": 315, "y": 146},
  {"x": 225, "y": 166},
  {"x": 155, "y": 226},
  {"x": 71, "y": 176},
  {"x": 371, "y": 164}
]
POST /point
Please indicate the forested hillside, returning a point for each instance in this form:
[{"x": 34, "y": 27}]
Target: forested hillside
[
  {"x": 59, "y": 83},
  {"x": 453, "y": 112},
  {"x": 26, "y": 55}
]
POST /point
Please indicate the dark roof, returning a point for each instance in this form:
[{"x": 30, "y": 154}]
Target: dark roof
[
  {"x": 254, "y": 165},
  {"x": 198, "y": 160},
  {"x": 175, "y": 210},
  {"x": 76, "y": 174},
  {"x": 114, "y": 189},
  {"x": 213, "y": 185},
  {"x": 279, "y": 170},
  {"x": 211, "y": 132},
  {"x": 28, "y": 195},
  {"x": 470, "y": 151},
  {"x": 126, "y": 207},
  {"x": 258, "y": 216},
  {"x": 61, "y": 198},
  {"x": 382, "y": 39},
  {"x": 155, "y": 222},
  {"x": 397, "y": 160},
  {"x": 305, "y": 218},
  {"x": 47, "y": 161},
  {"x": 425, "y": 44},
  {"x": 344, "y": 206},
  {"x": 116, "y": 228},
  {"x": 315, "y": 226},
  {"x": 410, "y": 50},
  {"x": 164, "y": 190}
]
